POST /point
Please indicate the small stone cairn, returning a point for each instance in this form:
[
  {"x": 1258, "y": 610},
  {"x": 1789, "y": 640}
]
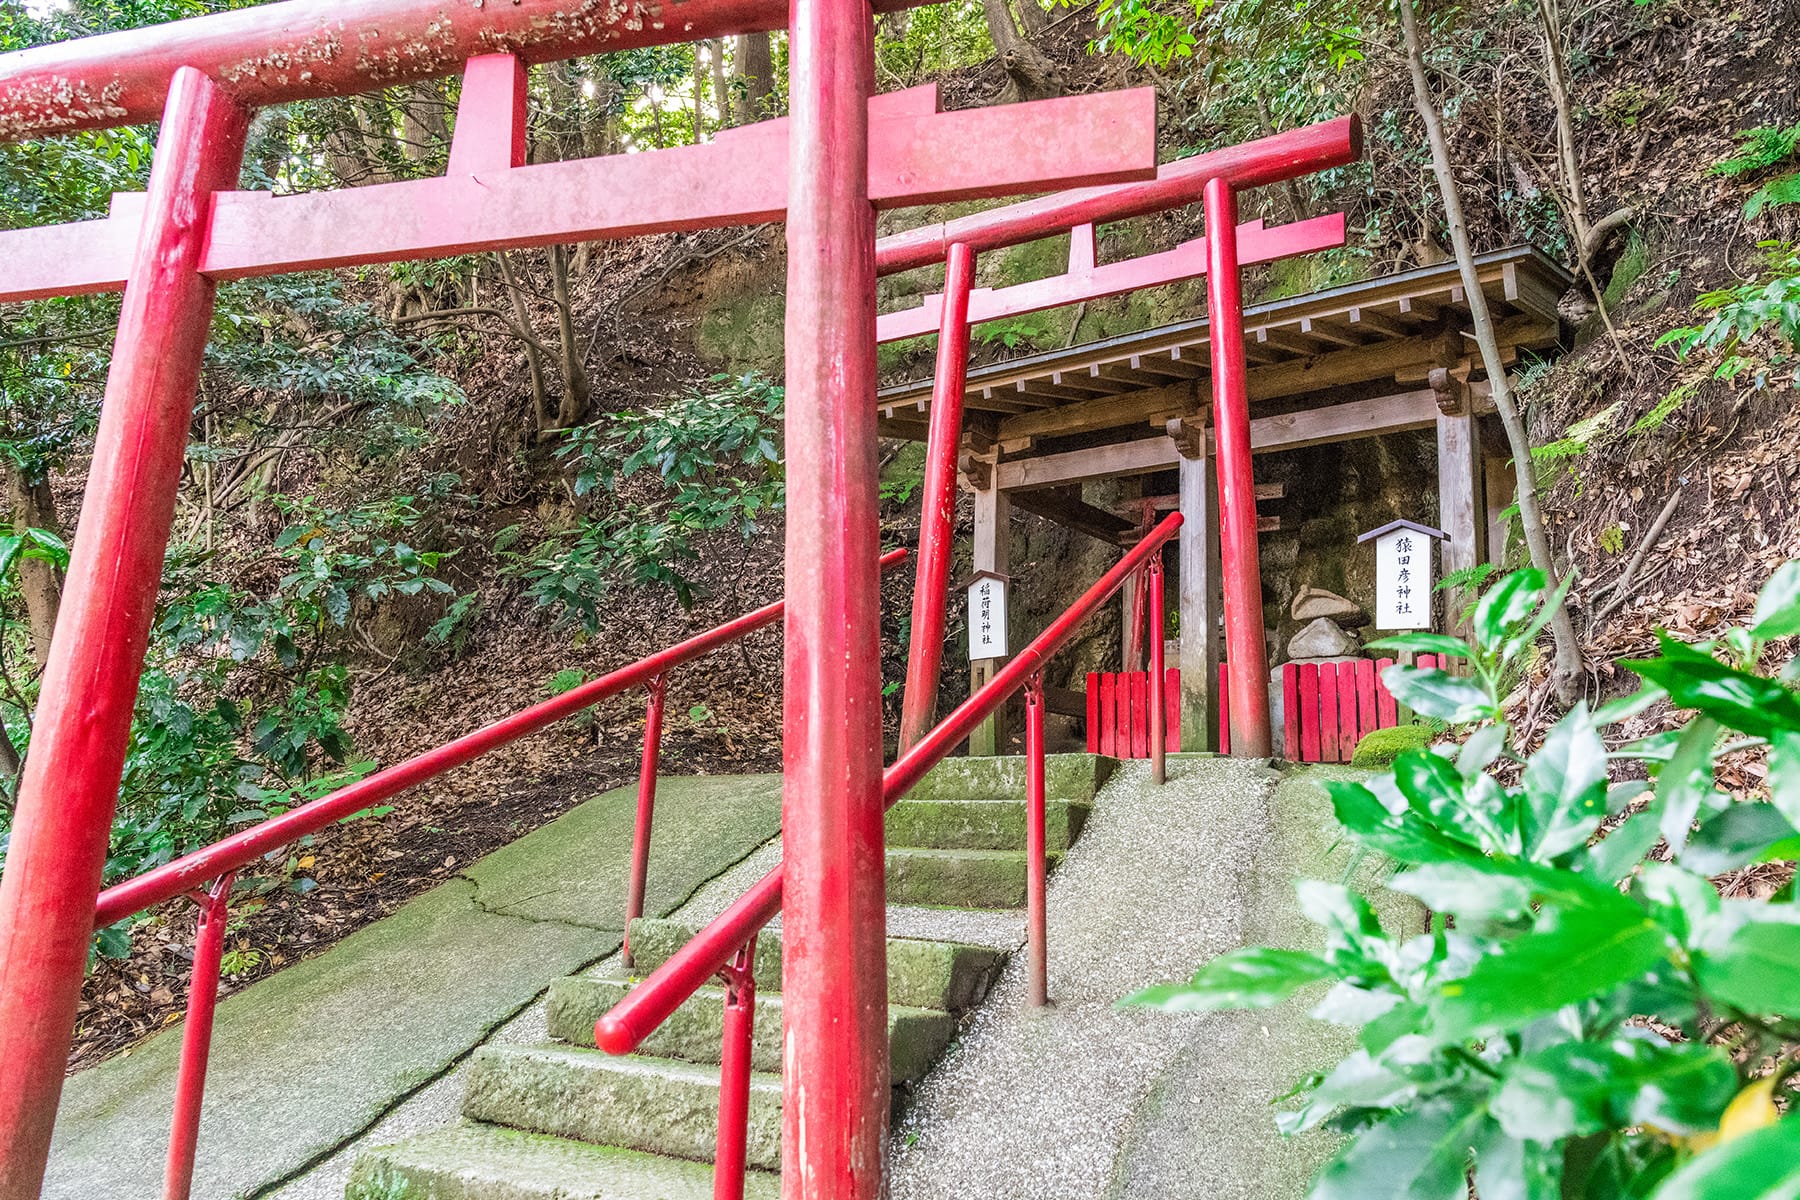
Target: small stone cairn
[{"x": 1324, "y": 639}]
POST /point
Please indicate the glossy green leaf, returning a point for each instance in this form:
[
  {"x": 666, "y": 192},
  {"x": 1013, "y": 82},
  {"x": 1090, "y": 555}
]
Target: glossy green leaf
[
  {"x": 1257, "y": 977},
  {"x": 1685, "y": 780},
  {"x": 1784, "y": 775},
  {"x": 1509, "y": 1169},
  {"x": 1436, "y": 790},
  {"x": 1755, "y": 969},
  {"x": 1565, "y": 787},
  {"x": 1579, "y": 1088},
  {"x": 1614, "y": 711},
  {"x": 1778, "y": 605},
  {"x": 1577, "y": 951},
  {"x": 1401, "y": 836},
  {"x": 1439, "y": 694},
  {"x": 1622, "y": 849},
  {"x": 1419, "y": 1154},
  {"x": 1467, "y": 889},
  {"x": 1546, "y": 611},
  {"x": 1736, "y": 699},
  {"x": 1764, "y": 1165},
  {"x": 1505, "y": 605},
  {"x": 1359, "y": 1081},
  {"x": 1422, "y": 643},
  {"x": 1685, "y": 904},
  {"x": 1742, "y": 834}
]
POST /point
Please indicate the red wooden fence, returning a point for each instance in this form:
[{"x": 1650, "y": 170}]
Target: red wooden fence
[
  {"x": 1118, "y": 713},
  {"x": 1328, "y": 707}
]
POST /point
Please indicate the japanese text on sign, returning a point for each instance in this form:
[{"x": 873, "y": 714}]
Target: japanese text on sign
[
  {"x": 1403, "y": 580},
  {"x": 987, "y": 618}
]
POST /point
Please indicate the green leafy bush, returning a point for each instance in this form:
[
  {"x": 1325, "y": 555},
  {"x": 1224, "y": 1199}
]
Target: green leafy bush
[
  {"x": 715, "y": 455},
  {"x": 1754, "y": 326},
  {"x": 1590, "y": 1019}
]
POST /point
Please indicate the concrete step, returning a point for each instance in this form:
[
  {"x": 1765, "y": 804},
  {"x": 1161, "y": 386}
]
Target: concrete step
[
  {"x": 656, "y": 1105},
  {"x": 488, "y": 1162},
  {"x": 948, "y": 976},
  {"x": 1071, "y": 777},
  {"x": 917, "y": 1037},
  {"x": 980, "y": 824},
  {"x": 989, "y": 879}
]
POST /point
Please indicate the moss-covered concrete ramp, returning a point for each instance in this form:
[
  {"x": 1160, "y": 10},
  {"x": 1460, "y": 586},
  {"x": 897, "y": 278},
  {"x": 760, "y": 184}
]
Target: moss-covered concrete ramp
[
  {"x": 551, "y": 1118},
  {"x": 309, "y": 1058}
]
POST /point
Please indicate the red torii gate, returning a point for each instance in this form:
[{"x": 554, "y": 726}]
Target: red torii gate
[
  {"x": 827, "y": 168},
  {"x": 841, "y": 155}
]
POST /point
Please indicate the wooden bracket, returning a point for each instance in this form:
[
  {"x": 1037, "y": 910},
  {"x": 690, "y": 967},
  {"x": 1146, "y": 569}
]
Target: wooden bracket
[
  {"x": 1189, "y": 435},
  {"x": 1450, "y": 390},
  {"x": 977, "y": 472}
]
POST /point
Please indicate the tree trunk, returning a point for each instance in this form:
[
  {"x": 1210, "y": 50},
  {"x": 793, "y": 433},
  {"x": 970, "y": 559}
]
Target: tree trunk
[
  {"x": 721, "y": 87},
  {"x": 34, "y": 507},
  {"x": 1032, "y": 17},
  {"x": 1030, "y": 75},
  {"x": 534, "y": 362},
  {"x": 1567, "y": 157},
  {"x": 756, "y": 67},
  {"x": 577, "y": 393},
  {"x": 1531, "y": 516},
  {"x": 699, "y": 93},
  {"x": 10, "y": 764}
]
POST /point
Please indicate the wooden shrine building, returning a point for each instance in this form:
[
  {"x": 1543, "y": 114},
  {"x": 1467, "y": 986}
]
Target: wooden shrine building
[{"x": 1388, "y": 356}]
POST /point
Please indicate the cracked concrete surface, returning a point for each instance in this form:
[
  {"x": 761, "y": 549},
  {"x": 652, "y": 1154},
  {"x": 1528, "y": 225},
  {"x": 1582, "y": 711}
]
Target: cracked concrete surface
[{"x": 309, "y": 1059}]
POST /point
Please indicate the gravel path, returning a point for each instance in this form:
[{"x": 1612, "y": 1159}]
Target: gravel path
[{"x": 1038, "y": 1105}]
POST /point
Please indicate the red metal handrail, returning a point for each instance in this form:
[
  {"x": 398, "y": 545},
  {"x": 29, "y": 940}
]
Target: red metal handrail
[
  {"x": 241, "y": 849},
  {"x": 726, "y": 948},
  {"x": 649, "y": 1004},
  {"x": 206, "y": 875}
]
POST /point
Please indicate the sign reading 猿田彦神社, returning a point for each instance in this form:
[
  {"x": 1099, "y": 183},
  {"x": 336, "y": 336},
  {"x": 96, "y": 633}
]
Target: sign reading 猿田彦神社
[
  {"x": 1403, "y": 575},
  {"x": 987, "y": 616}
]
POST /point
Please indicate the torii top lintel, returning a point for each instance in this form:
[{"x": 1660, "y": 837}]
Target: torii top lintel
[{"x": 307, "y": 49}]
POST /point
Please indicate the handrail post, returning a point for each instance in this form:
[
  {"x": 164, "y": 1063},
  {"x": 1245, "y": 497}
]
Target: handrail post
[
  {"x": 1246, "y": 657},
  {"x": 1133, "y": 652},
  {"x": 1036, "y": 867},
  {"x": 937, "y": 503},
  {"x": 731, "y": 1152},
  {"x": 646, "y": 807},
  {"x": 1159, "y": 772},
  {"x": 196, "y": 1036},
  {"x": 70, "y": 786}
]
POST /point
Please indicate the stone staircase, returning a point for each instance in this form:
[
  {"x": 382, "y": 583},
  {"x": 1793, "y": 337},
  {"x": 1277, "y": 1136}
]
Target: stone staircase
[{"x": 564, "y": 1121}]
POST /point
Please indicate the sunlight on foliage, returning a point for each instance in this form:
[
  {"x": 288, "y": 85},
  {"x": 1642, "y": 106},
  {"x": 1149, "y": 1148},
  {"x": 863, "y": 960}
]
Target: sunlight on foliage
[{"x": 1511, "y": 1035}]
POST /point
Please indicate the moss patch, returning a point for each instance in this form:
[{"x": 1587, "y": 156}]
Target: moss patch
[{"x": 1381, "y": 747}]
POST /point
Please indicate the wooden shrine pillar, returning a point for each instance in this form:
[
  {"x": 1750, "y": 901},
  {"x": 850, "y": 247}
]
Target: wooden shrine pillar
[
  {"x": 1198, "y": 579},
  {"x": 992, "y": 552},
  {"x": 1462, "y": 511},
  {"x": 1499, "y": 484}
]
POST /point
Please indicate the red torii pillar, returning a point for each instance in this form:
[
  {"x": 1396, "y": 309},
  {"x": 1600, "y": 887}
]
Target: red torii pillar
[
  {"x": 84, "y": 719},
  {"x": 1246, "y": 655},
  {"x": 834, "y": 928}
]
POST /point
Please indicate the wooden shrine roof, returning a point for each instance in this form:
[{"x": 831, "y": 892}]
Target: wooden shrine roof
[{"x": 1323, "y": 346}]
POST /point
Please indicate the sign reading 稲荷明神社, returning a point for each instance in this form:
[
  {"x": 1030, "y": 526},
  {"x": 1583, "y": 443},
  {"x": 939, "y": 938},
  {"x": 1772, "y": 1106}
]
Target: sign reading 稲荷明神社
[
  {"x": 987, "y": 616},
  {"x": 1403, "y": 575}
]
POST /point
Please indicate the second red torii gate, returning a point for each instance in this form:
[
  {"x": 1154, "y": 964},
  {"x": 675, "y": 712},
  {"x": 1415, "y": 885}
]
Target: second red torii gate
[{"x": 1219, "y": 255}]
